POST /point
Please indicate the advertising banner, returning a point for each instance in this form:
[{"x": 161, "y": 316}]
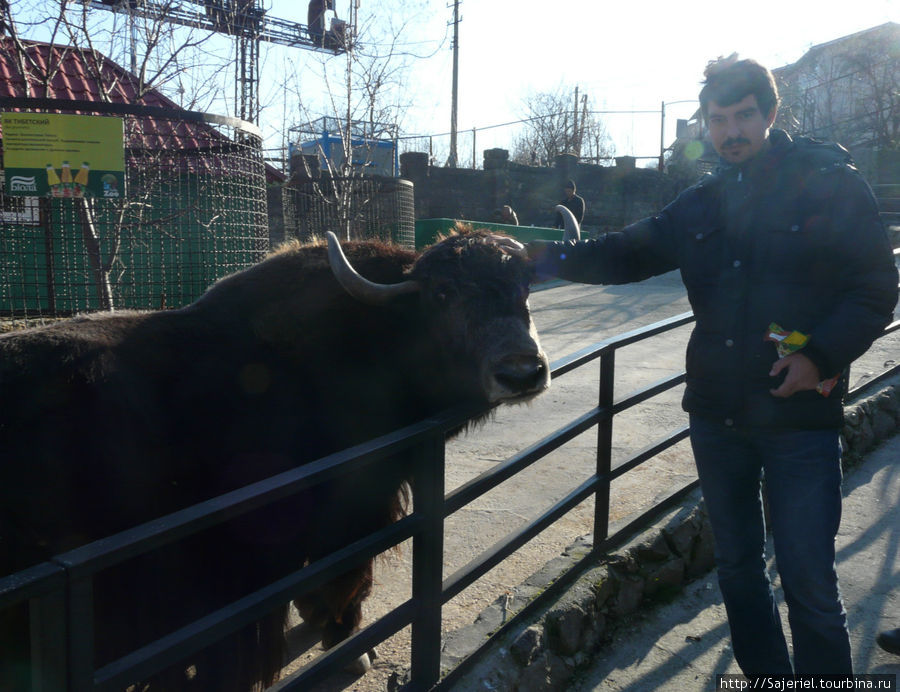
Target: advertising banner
[{"x": 53, "y": 155}]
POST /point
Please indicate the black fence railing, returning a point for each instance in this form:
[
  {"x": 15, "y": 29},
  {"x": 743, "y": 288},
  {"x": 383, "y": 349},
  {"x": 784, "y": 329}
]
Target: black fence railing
[{"x": 60, "y": 592}]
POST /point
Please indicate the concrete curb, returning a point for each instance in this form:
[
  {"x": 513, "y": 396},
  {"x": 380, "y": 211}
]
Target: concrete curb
[{"x": 547, "y": 651}]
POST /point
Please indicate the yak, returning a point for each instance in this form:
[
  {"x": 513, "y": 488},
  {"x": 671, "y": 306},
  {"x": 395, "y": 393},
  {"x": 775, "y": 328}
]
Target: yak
[{"x": 110, "y": 420}]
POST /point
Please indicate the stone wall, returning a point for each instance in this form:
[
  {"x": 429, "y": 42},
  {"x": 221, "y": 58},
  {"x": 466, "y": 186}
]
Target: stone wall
[
  {"x": 546, "y": 653},
  {"x": 614, "y": 195}
]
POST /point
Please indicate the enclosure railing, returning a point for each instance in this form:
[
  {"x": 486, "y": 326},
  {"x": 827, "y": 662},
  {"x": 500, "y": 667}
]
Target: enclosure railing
[{"x": 60, "y": 591}]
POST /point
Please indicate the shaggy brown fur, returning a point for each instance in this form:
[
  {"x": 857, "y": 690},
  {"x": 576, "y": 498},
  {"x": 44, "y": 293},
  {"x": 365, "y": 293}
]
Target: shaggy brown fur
[{"x": 111, "y": 420}]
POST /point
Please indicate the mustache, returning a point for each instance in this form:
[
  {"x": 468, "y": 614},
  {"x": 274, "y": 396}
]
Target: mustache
[{"x": 735, "y": 140}]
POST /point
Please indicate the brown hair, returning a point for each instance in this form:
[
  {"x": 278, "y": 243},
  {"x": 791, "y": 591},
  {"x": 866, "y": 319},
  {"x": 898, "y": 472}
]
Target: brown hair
[{"x": 728, "y": 80}]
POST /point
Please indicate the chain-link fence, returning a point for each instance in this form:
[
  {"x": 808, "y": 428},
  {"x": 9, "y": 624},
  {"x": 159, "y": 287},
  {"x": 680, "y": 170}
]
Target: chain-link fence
[
  {"x": 358, "y": 207},
  {"x": 194, "y": 210}
]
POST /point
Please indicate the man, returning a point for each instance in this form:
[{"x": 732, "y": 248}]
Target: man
[
  {"x": 315, "y": 16},
  {"x": 573, "y": 203},
  {"x": 781, "y": 248}
]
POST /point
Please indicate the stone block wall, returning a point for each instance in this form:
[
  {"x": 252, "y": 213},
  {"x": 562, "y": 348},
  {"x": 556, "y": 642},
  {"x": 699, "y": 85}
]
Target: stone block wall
[{"x": 614, "y": 196}]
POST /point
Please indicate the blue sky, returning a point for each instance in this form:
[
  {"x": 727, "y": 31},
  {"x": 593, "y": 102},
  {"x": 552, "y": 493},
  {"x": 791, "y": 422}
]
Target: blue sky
[{"x": 628, "y": 55}]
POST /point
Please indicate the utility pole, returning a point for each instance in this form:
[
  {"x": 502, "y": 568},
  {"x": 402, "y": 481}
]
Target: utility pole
[
  {"x": 584, "y": 114},
  {"x": 574, "y": 146},
  {"x": 662, "y": 138},
  {"x": 451, "y": 162}
]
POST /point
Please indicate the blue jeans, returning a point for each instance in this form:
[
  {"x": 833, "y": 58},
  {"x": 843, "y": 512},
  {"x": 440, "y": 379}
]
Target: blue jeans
[{"x": 802, "y": 469}]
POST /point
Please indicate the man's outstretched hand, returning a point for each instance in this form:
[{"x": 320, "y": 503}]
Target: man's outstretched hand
[{"x": 802, "y": 375}]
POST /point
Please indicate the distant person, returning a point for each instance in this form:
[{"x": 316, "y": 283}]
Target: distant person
[
  {"x": 508, "y": 215},
  {"x": 573, "y": 203},
  {"x": 791, "y": 278},
  {"x": 889, "y": 640},
  {"x": 315, "y": 20}
]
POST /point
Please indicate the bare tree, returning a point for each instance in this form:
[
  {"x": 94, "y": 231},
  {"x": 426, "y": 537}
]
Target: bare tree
[
  {"x": 365, "y": 101},
  {"x": 561, "y": 122},
  {"x": 161, "y": 57},
  {"x": 848, "y": 91},
  {"x": 879, "y": 113},
  {"x": 179, "y": 61}
]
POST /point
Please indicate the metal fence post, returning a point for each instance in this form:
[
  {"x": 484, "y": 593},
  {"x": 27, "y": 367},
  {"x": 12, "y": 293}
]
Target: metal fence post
[
  {"x": 604, "y": 446},
  {"x": 428, "y": 562},
  {"x": 81, "y": 634},
  {"x": 48, "y": 642}
]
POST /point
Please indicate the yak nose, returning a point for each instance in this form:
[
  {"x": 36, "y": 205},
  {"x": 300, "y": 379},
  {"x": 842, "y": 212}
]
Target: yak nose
[{"x": 523, "y": 373}]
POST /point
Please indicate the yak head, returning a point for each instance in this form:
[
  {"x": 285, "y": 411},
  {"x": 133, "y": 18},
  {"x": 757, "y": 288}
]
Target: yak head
[{"x": 472, "y": 293}]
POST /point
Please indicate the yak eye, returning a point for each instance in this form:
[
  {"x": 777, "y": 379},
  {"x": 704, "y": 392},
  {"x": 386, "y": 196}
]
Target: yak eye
[{"x": 443, "y": 292}]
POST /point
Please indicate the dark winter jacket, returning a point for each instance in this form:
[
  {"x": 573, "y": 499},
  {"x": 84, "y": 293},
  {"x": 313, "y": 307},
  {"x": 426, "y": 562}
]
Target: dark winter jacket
[{"x": 792, "y": 238}]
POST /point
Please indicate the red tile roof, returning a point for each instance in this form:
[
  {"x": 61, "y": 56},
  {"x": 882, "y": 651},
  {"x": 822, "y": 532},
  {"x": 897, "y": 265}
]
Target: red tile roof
[{"x": 78, "y": 74}]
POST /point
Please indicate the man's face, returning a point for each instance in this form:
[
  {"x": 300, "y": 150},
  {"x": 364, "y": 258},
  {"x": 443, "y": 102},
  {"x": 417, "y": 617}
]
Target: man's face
[
  {"x": 569, "y": 192},
  {"x": 739, "y": 131}
]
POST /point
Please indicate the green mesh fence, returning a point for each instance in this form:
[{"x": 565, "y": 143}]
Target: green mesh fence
[{"x": 193, "y": 211}]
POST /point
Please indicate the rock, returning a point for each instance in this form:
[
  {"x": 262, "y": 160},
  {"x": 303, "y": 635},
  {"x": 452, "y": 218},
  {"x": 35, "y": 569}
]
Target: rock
[
  {"x": 703, "y": 557},
  {"x": 629, "y": 595},
  {"x": 681, "y": 531},
  {"x": 603, "y": 587},
  {"x": 865, "y": 438},
  {"x": 547, "y": 673},
  {"x": 565, "y": 628},
  {"x": 883, "y": 424},
  {"x": 665, "y": 578},
  {"x": 653, "y": 548},
  {"x": 526, "y": 646}
]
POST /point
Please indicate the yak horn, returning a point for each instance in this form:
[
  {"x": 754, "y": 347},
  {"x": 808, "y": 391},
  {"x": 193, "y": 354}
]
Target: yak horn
[
  {"x": 358, "y": 286},
  {"x": 572, "y": 232}
]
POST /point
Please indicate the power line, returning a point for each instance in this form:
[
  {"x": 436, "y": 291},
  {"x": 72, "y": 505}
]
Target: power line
[{"x": 535, "y": 118}]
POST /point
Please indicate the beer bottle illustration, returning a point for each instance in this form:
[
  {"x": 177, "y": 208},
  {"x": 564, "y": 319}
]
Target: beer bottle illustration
[
  {"x": 66, "y": 177},
  {"x": 53, "y": 181},
  {"x": 81, "y": 179}
]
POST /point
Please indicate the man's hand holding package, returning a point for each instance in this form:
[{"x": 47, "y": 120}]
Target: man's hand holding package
[{"x": 802, "y": 374}]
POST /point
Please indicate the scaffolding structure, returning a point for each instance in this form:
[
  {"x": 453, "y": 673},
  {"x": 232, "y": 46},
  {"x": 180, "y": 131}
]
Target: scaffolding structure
[{"x": 249, "y": 24}]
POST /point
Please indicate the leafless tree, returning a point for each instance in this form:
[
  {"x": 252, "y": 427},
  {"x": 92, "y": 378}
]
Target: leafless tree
[
  {"x": 365, "y": 101},
  {"x": 181, "y": 62},
  {"x": 558, "y": 122},
  {"x": 847, "y": 92},
  {"x": 161, "y": 56}
]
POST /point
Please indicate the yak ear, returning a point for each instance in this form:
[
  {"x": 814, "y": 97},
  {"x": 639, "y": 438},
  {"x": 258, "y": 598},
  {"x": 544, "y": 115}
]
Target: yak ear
[
  {"x": 573, "y": 231},
  {"x": 358, "y": 286}
]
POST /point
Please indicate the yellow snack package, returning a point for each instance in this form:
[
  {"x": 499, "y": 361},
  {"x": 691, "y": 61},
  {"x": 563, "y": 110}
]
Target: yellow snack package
[{"x": 787, "y": 342}]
